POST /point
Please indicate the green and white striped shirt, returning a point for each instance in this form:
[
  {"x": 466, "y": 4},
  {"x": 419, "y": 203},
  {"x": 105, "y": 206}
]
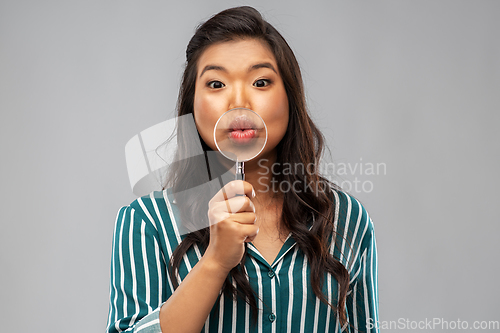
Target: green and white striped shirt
[{"x": 146, "y": 233}]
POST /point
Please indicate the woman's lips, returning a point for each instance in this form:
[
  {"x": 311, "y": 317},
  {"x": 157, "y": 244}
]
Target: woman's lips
[
  {"x": 242, "y": 130},
  {"x": 242, "y": 136}
]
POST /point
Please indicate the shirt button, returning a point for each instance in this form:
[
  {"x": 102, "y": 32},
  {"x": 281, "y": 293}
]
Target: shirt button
[
  {"x": 272, "y": 317},
  {"x": 270, "y": 273}
]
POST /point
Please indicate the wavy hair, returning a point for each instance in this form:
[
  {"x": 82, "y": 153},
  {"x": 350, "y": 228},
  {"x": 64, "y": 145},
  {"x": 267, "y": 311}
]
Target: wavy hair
[{"x": 302, "y": 144}]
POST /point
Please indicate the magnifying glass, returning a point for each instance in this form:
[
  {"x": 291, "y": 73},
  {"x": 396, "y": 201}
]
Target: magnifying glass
[{"x": 240, "y": 135}]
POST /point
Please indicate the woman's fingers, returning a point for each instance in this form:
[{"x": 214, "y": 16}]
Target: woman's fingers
[
  {"x": 234, "y": 188},
  {"x": 251, "y": 235},
  {"x": 221, "y": 210},
  {"x": 246, "y": 232},
  {"x": 239, "y": 204},
  {"x": 216, "y": 215},
  {"x": 243, "y": 218},
  {"x": 232, "y": 223}
]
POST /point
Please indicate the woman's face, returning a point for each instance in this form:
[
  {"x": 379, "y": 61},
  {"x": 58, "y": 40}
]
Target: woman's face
[{"x": 240, "y": 73}]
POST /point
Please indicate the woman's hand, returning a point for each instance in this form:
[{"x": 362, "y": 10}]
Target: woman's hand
[{"x": 232, "y": 223}]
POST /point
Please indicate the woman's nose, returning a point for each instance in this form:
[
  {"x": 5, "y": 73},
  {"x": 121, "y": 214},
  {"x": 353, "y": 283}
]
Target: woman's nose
[{"x": 239, "y": 98}]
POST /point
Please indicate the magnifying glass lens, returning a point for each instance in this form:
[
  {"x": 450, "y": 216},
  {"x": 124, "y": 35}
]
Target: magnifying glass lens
[{"x": 240, "y": 134}]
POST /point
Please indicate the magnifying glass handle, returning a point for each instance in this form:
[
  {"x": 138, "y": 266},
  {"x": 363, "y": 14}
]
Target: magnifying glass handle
[{"x": 240, "y": 170}]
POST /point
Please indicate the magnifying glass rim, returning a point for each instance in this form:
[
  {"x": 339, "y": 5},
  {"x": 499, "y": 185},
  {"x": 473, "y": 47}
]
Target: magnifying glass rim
[{"x": 217, "y": 145}]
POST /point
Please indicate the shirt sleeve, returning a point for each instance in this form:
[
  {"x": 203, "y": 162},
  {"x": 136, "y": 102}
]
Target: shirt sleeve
[
  {"x": 362, "y": 302},
  {"x": 137, "y": 275}
]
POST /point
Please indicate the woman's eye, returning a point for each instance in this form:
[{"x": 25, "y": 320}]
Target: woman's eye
[
  {"x": 215, "y": 84},
  {"x": 261, "y": 83}
]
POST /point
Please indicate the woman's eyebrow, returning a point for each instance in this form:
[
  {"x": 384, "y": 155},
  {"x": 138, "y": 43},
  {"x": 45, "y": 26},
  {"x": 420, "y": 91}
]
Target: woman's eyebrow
[
  {"x": 262, "y": 65},
  {"x": 212, "y": 67},
  {"x": 251, "y": 68}
]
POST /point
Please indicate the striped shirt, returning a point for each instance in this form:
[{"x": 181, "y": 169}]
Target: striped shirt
[{"x": 146, "y": 233}]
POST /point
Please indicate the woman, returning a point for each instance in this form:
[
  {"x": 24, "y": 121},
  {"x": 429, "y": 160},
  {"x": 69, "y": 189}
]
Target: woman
[{"x": 269, "y": 258}]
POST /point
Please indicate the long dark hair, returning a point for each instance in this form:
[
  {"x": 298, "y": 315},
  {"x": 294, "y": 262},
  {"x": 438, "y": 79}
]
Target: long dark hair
[{"x": 301, "y": 145}]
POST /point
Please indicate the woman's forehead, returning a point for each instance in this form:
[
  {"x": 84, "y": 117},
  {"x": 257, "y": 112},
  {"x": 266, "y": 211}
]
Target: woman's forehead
[{"x": 236, "y": 54}]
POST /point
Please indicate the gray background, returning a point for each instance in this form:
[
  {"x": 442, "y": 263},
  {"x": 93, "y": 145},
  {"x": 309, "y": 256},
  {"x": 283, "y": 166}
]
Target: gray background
[{"x": 412, "y": 84}]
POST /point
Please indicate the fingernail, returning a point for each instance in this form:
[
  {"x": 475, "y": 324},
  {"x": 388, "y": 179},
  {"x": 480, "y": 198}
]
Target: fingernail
[{"x": 253, "y": 193}]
